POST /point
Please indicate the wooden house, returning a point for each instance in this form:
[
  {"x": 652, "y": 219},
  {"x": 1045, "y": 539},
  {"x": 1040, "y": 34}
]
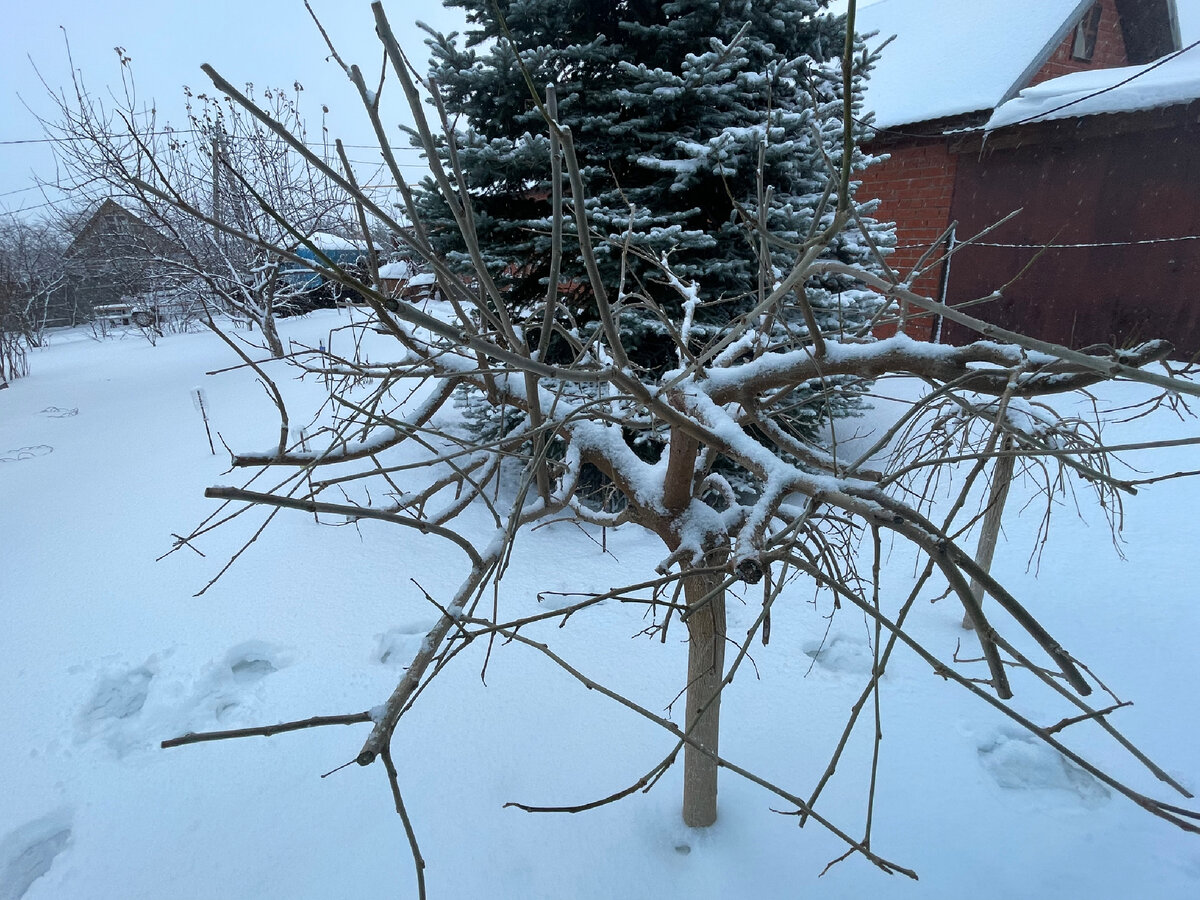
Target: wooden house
[{"x": 114, "y": 255}]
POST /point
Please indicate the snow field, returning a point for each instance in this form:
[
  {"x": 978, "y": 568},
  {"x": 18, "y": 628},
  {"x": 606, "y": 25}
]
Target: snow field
[{"x": 105, "y": 653}]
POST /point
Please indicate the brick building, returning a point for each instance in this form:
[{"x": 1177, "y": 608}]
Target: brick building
[{"x": 934, "y": 94}]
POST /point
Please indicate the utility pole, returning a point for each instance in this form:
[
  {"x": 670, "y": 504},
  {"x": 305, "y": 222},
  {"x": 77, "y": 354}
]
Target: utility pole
[
  {"x": 216, "y": 201},
  {"x": 218, "y": 149}
]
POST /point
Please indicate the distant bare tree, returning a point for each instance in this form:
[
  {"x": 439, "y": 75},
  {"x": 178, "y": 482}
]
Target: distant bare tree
[
  {"x": 31, "y": 273},
  {"x": 706, "y": 456},
  {"x": 234, "y": 200}
]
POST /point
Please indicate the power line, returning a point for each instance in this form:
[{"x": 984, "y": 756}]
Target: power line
[
  {"x": 1166, "y": 240},
  {"x": 893, "y": 131},
  {"x": 24, "y": 209},
  {"x": 33, "y": 187},
  {"x": 875, "y": 128}
]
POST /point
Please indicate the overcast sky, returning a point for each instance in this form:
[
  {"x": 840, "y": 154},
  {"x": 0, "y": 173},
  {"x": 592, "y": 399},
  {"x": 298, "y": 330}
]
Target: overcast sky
[
  {"x": 271, "y": 43},
  {"x": 267, "y": 42}
]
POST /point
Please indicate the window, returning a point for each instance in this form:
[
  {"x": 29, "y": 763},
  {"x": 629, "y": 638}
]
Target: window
[
  {"x": 1083, "y": 47},
  {"x": 115, "y": 224}
]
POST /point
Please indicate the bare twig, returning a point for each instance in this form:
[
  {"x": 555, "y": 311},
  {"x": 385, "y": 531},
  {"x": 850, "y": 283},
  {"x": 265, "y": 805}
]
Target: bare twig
[{"x": 266, "y": 730}]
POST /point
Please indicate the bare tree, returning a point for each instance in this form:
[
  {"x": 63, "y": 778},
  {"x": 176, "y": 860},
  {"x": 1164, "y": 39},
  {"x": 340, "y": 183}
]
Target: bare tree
[
  {"x": 233, "y": 200},
  {"x": 31, "y": 274},
  {"x": 735, "y": 491}
]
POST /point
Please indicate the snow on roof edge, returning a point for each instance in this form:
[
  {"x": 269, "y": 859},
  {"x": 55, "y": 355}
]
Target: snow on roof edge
[
  {"x": 399, "y": 269},
  {"x": 1171, "y": 81},
  {"x": 323, "y": 240}
]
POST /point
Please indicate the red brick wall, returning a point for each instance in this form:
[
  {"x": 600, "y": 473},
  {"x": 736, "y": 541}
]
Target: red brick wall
[
  {"x": 915, "y": 187},
  {"x": 1110, "y": 49},
  {"x": 1140, "y": 183}
]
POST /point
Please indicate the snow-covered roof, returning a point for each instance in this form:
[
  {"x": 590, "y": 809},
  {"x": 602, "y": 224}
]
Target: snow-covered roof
[
  {"x": 401, "y": 268},
  {"x": 958, "y": 56},
  {"x": 324, "y": 241},
  {"x": 423, "y": 278},
  {"x": 1171, "y": 81}
]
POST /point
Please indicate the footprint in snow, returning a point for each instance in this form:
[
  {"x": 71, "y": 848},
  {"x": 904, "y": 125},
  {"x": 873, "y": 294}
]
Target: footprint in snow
[
  {"x": 28, "y": 852},
  {"x": 122, "y": 711},
  {"x": 23, "y": 453},
  {"x": 841, "y": 654},
  {"x": 252, "y": 661},
  {"x": 227, "y": 686},
  {"x": 1021, "y": 762},
  {"x": 119, "y": 695},
  {"x": 115, "y": 706},
  {"x": 397, "y": 646}
]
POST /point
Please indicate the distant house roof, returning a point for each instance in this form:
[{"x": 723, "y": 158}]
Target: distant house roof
[
  {"x": 325, "y": 242},
  {"x": 111, "y": 233},
  {"x": 963, "y": 56},
  {"x": 109, "y": 219},
  {"x": 1173, "y": 81}
]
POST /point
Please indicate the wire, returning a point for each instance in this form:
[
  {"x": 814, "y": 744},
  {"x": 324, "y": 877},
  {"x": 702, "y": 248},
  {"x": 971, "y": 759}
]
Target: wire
[
  {"x": 1137, "y": 243},
  {"x": 32, "y": 187},
  {"x": 877, "y": 129},
  {"x": 233, "y": 137},
  {"x": 1167, "y": 240},
  {"x": 24, "y": 209}
]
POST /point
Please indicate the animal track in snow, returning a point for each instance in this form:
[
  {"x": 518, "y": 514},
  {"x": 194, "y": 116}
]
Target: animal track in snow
[
  {"x": 1019, "y": 761},
  {"x": 28, "y": 852},
  {"x": 136, "y": 707},
  {"x": 249, "y": 663},
  {"x": 119, "y": 696}
]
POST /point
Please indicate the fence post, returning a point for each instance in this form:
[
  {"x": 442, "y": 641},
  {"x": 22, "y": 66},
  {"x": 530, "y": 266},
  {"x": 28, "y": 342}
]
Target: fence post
[{"x": 1002, "y": 474}]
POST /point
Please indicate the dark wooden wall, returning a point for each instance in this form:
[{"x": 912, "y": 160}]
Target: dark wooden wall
[{"x": 1078, "y": 182}]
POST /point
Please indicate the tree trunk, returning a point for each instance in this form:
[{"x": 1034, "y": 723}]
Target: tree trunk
[
  {"x": 1001, "y": 478},
  {"x": 274, "y": 344},
  {"x": 706, "y": 668}
]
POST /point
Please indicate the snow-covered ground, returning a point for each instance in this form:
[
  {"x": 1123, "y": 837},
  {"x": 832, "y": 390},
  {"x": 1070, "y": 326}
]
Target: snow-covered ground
[{"x": 104, "y": 652}]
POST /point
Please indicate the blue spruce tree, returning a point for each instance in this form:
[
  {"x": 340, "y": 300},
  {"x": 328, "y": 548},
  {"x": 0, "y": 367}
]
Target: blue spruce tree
[{"x": 695, "y": 121}]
